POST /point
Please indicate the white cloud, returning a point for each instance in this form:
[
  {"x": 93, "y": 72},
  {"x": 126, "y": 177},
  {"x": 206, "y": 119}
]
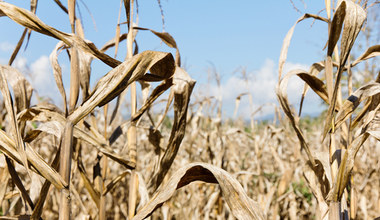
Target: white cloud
[
  {"x": 21, "y": 63},
  {"x": 40, "y": 75},
  {"x": 260, "y": 84},
  {"x": 42, "y": 78},
  {"x": 6, "y": 46},
  {"x": 40, "y": 71}
]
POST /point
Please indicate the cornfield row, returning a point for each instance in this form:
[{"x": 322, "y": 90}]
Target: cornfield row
[{"x": 84, "y": 160}]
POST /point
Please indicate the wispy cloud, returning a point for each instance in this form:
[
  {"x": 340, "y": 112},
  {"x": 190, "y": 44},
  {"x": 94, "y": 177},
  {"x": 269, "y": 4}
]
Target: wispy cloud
[
  {"x": 40, "y": 76},
  {"x": 260, "y": 85},
  {"x": 6, "y": 46}
]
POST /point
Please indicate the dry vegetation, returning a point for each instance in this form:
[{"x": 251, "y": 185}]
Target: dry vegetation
[{"x": 83, "y": 160}]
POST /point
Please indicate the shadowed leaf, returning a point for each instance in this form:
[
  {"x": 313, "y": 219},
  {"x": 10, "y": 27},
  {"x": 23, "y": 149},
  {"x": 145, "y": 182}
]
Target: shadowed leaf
[
  {"x": 240, "y": 204},
  {"x": 183, "y": 86},
  {"x": 353, "y": 17}
]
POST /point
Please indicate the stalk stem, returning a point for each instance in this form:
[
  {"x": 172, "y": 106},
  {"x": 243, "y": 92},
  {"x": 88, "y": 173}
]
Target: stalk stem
[{"x": 65, "y": 171}]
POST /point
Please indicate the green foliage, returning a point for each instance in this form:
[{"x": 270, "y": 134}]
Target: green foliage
[{"x": 303, "y": 189}]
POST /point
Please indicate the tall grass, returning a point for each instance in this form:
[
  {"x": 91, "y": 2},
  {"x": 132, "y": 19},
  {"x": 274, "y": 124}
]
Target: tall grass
[{"x": 78, "y": 161}]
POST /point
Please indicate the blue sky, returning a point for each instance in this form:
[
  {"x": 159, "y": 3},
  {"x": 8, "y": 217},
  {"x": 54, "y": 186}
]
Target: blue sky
[{"x": 227, "y": 34}]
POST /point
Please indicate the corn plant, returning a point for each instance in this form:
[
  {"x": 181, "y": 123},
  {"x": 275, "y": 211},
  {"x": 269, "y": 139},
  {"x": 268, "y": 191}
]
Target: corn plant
[
  {"x": 329, "y": 169},
  {"x": 80, "y": 137}
]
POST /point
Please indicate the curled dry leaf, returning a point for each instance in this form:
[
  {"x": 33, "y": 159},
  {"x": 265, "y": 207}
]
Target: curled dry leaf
[
  {"x": 369, "y": 53},
  {"x": 85, "y": 72},
  {"x": 242, "y": 207},
  {"x": 57, "y": 71},
  {"x": 315, "y": 84},
  {"x": 319, "y": 180},
  {"x": 53, "y": 123},
  {"x": 22, "y": 89},
  {"x": 354, "y": 100},
  {"x": 288, "y": 37},
  {"x": 183, "y": 86},
  {"x": 314, "y": 70},
  {"x": 168, "y": 40},
  {"x": 353, "y": 22},
  {"x": 283, "y": 99},
  {"x": 113, "y": 83}
]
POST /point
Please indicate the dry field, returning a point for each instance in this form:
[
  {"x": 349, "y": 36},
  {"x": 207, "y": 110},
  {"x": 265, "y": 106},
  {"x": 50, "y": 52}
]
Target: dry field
[{"x": 84, "y": 160}]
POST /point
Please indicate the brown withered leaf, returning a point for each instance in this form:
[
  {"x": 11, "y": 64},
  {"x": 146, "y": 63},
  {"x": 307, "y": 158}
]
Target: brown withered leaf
[
  {"x": 314, "y": 70},
  {"x": 53, "y": 123},
  {"x": 37, "y": 211},
  {"x": 168, "y": 40},
  {"x": 95, "y": 195},
  {"x": 319, "y": 180},
  {"x": 8, "y": 147},
  {"x": 354, "y": 100},
  {"x": 155, "y": 94},
  {"x": 370, "y": 127},
  {"x": 353, "y": 22},
  {"x": 114, "y": 181},
  {"x": 57, "y": 71},
  {"x": 353, "y": 16},
  {"x": 287, "y": 39},
  {"x": 345, "y": 168},
  {"x": 315, "y": 84},
  {"x": 14, "y": 128},
  {"x": 369, "y": 53},
  {"x": 241, "y": 206},
  {"x": 283, "y": 99},
  {"x": 22, "y": 89},
  {"x": 17, "y": 181},
  {"x": 17, "y": 48},
  {"x": 112, "y": 43},
  {"x": 59, "y": 3},
  {"x": 74, "y": 78},
  {"x": 114, "y": 82},
  {"x": 31, "y": 21},
  {"x": 183, "y": 86}
]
